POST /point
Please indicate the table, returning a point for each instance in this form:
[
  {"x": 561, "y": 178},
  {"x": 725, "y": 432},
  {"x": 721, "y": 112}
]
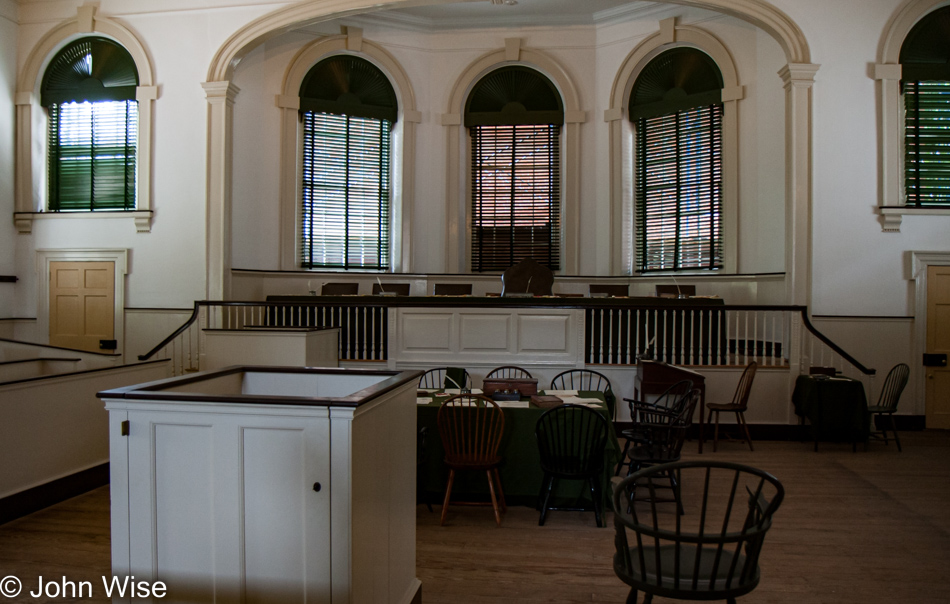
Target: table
[
  {"x": 836, "y": 407},
  {"x": 521, "y": 473}
]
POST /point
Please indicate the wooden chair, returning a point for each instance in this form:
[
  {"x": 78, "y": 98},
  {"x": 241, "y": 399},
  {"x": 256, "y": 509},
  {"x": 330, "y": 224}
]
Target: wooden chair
[
  {"x": 666, "y": 406},
  {"x": 713, "y": 556},
  {"x": 527, "y": 277},
  {"x": 471, "y": 427},
  {"x": 340, "y": 289},
  {"x": 586, "y": 379},
  {"x": 887, "y": 403},
  {"x": 508, "y": 371},
  {"x": 400, "y": 289},
  {"x": 436, "y": 378},
  {"x": 452, "y": 289},
  {"x": 612, "y": 290},
  {"x": 571, "y": 442},
  {"x": 739, "y": 404},
  {"x": 664, "y": 433}
]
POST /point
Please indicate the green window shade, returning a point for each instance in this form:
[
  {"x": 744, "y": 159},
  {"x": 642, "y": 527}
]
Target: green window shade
[
  {"x": 927, "y": 143},
  {"x": 678, "y": 190},
  {"x": 92, "y": 155},
  {"x": 515, "y": 196},
  {"x": 346, "y": 192}
]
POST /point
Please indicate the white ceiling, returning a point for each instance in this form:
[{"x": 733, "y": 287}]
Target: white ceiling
[{"x": 526, "y": 13}]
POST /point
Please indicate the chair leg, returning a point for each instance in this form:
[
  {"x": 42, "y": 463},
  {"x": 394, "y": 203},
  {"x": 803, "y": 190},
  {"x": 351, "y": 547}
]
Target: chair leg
[
  {"x": 740, "y": 417},
  {"x": 623, "y": 457},
  {"x": 501, "y": 491},
  {"x": 448, "y": 495},
  {"x": 632, "y": 596},
  {"x": 549, "y": 482},
  {"x": 494, "y": 500},
  {"x": 716, "y": 434},
  {"x": 897, "y": 438},
  {"x": 596, "y": 499},
  {"x": 675, "y": 486}
]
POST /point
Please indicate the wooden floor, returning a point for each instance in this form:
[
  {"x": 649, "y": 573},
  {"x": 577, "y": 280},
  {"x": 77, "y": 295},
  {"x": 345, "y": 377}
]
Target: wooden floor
[{"x": 858, "y": 528}]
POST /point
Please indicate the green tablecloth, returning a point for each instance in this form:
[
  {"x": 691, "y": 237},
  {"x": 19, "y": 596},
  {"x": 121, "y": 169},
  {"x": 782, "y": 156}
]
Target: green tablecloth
[
  {"x": 837, "y": 408},
  {"x": 521, "y": 473}
]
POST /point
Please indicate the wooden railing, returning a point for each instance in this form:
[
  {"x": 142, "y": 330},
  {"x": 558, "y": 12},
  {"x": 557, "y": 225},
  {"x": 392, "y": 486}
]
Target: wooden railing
[{"x": 615, "y": 333}]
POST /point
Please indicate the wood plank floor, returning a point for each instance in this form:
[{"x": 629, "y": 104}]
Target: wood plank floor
[{"x": 858, "y": 528}]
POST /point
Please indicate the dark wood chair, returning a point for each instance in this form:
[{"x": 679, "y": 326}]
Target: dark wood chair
[
  {"x": 400, "y": 289},
  {"x": 675, "y": 291},
  {"x": 739, "y": 405},
  {"x": 571, "y": 442},
  {"x": 340, "y": 289},
  {"x": 452, "y": 289},
  {"x": 666, "y": 406},
  {"x": 527, "y": 277},
  {"x": 887, "y": 403},
  {"x": 714, "y": 556},
  {"x": 436, "y": 378},
  {"x": 611, "y": 290},
  {"x": 586, "y": 379},
  {"x": 508, "y": 371},
  {"x": 471, "y": 427},
  {"x": 662, "y": 441}
]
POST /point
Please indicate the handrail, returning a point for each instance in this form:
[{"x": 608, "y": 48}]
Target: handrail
[
  {"x": 177, "y": 332},
  {"x": 807, "y": 323},
  {"x": 606, "y": 303}
]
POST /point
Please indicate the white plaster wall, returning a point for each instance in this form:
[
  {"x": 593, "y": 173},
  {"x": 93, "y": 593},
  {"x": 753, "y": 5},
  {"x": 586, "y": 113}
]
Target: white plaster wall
[{"x": 8, "y": 45}]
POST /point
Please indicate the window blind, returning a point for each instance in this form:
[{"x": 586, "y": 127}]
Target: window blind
[
  {"x": 679, "y": 190},
  {"x": 927, "y": 143},
  {"x": 345, "y": 192},
  {"x": 515, "y": 196},
  {"x": 92, "y": 155}
]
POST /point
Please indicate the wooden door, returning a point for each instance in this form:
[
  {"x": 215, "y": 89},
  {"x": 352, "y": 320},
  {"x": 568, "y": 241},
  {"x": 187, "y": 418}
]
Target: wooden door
[
  {"x": 938, "y": 342},
  {"x": 82, "y": 305}
]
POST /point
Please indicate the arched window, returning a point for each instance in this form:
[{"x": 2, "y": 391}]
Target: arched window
[
  {"x": 348, "y": 108},
  {"x": 89, "y": 90},
  {"x": 925, "y": 83},
  {"x": 514, "y": 115},
  {"x": 677, "y": 111}
]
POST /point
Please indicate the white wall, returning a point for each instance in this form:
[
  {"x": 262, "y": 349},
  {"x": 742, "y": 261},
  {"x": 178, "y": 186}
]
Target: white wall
[{"x": 8, "y": 46}]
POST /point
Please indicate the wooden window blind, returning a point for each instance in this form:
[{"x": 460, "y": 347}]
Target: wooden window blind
[
  {"x": 678, "y": 190},
  {"x": 927, "y": 143},
  {"x": 515, "y": 195},
  {"x": 92, "y": 155},
  {"x": 345, "y": 192}
]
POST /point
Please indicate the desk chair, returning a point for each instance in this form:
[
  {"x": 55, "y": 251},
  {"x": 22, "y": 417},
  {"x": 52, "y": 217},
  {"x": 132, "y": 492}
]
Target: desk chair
[
  {"x": 612, "y": 290},
  {"x": 666, "y": 406},
  {"x": 712, "y": 556},
  {"x": 452, "y": 289},
  {"x": 571, "y": 442},
  {"x": 471, "y": 427},
  {"x": 436, "y": 378},
  {"x": 586, "y": 379},
  {"x": 507, "y": 372},
  {"x": 887, "y": 402},
  {"x": 739, "y": 404},
  {"x": 340, "y": 289}
]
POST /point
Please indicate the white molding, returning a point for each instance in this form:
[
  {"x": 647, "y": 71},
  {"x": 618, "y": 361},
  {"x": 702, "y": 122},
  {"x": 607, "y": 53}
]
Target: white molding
[
  {"x": 30, "y": 187},
  {"x": 457, "y": 233},
  {"x": 920, "y": 262},
  {"x": 118, "y": 256},
  {"x": 404, "y": 136},
  {"x": 619, "y": 244},
  {"x": 142, "y": 219}
]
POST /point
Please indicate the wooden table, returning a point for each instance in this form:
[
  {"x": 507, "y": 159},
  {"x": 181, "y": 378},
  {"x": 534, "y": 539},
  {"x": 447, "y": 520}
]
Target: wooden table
[
  {"x": 836, "y": 407},
  {"x": 521, "y": 473}
]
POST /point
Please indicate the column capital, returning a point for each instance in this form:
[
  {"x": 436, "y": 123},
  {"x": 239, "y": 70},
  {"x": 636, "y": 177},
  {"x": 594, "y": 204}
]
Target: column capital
[
  {"x": 798, "y": 73},
  {"x": 220, "y": 91}
]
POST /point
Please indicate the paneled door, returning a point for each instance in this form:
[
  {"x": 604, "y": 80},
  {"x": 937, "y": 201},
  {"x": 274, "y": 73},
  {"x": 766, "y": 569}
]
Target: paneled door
[
  {"x": 938, "y": 342},
  {"x": 82, "y": 305}
]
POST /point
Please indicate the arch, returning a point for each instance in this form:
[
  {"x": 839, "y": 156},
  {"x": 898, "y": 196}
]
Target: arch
[
  {"x": 757, "y": 12},
  {"x": 513, "y": 53},
  {"x": 86, "y": 22},
  {"x": 670, "y": 36},
  {"x": 404, "y": 136},
  {"x": 887, "y": 72}
]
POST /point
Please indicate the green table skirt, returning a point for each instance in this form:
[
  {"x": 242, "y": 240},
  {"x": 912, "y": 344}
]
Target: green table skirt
[{"x": 521, "y": 474}]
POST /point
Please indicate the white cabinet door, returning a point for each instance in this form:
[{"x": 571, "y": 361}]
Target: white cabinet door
[{"x": 230, "y": 508}]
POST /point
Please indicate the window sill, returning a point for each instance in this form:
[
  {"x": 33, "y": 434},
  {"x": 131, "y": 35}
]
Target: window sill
[
  {"x": 142, "y": 218},
  {"x": 891, "y": 216}
]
